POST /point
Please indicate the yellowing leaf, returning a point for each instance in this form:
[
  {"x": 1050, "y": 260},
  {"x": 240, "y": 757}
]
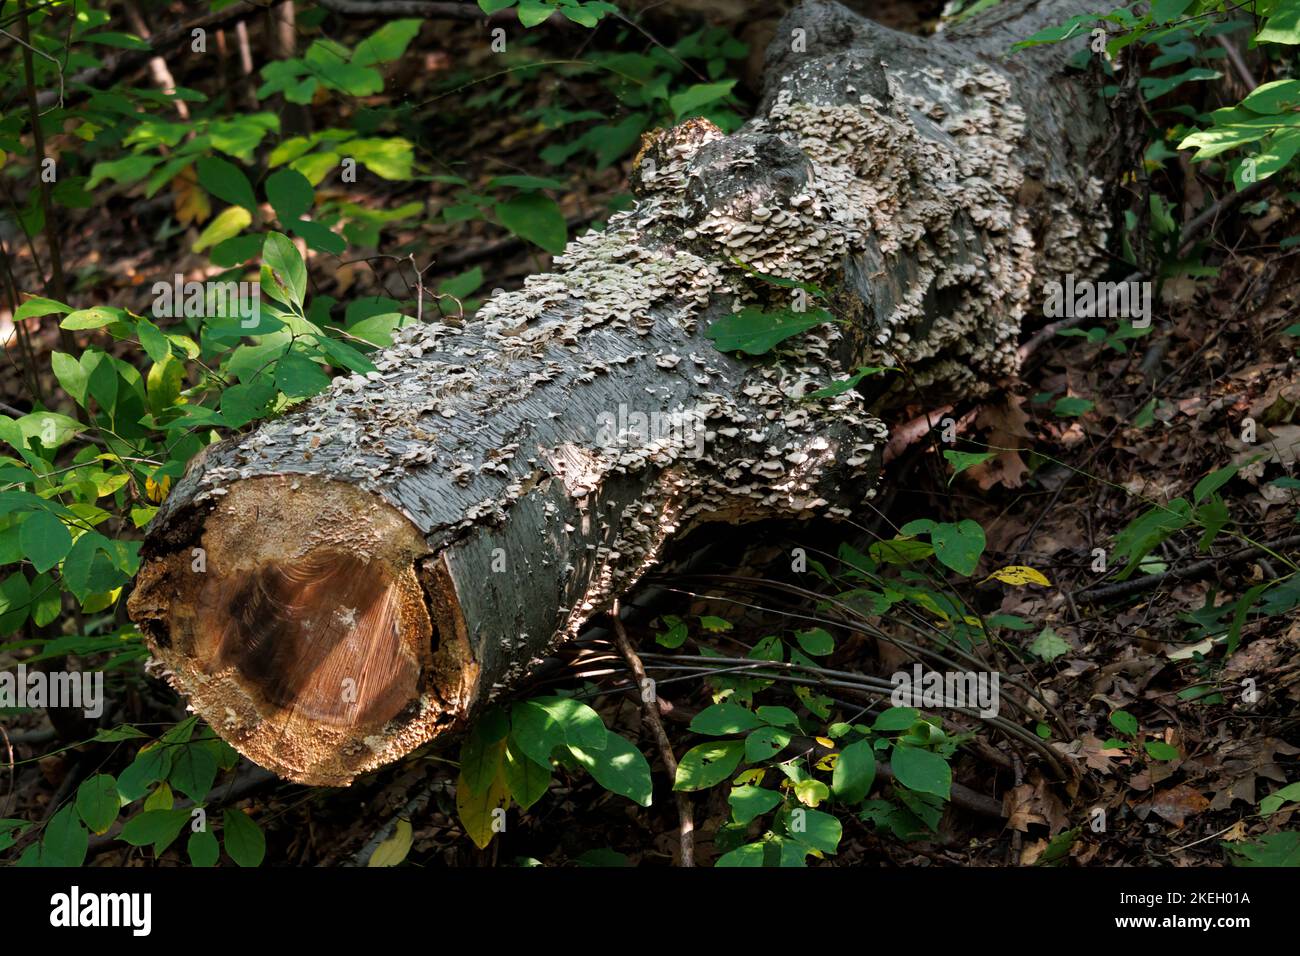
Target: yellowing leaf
[
  {"x": 826, "y": 742},
  {"x": 226, "y": 226},
  {"x": 1018, "y": 575},
  {"x": 393, "y": 850},
  {"x": 479, "y": 812},
  {"x": 811, "y": 792},
  {"x": 160, "y": 799},
  {"x": 753, "y": 777},
  {"x": 827, "y": 762},
  {"x": 97, "y": 602},
  {"x": 157, "y": 490}
]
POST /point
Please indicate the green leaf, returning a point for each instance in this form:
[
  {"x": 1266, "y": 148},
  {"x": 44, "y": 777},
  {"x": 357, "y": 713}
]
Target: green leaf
[
  {"x": 749, "y": 855},
  {"x": 765, "y": 743},
  {"x": 389, "y": 159},
  {"x": 582, "y": 726},
  {"x": 284, "y": 275},
  {"x": 1048, "y": 645},
  {"x": 480, "y": 760},
  {"x": 748, "y": 803},
  {"x": 234, "y": 250},
  {"x": 1144, "y": 532},
  {"x": 126, "y": 170},
  {"x": 244, "y": 839},
  {"x": 1072, "y": 407},
  {"x": 152, "y": 340},
  {"x": 1275, "y": 849},
  {"x": 157, "y": 827},
  {"x": 724, "y": 718},
  {"x": 202, "y": 848},
  {"x": 44, "y": 540},
  {"x": 534, "y": 731},
  {"x": 535, "y": 218},
  {"x": 1162, "y": 11},
  {"x": 65, "y": 841},
  {"x": 1283, "y": 26},
  {"x": 95, "y": 317},
  {"x": 1278, "y": 798},
  {"x": 534, "y": 12},
  {"x": 855, "y": 772},
  {"x": 619, "y": 768},
  {"x": 97, "y": 802},
  {"x": 1213, "y": 482},
  {"x": 386, "y": 44},
  {"x": 151, "y": 764},
  {"x": 690, "y": 100},
  {"x": 778, "y": 716},
  {"x": 121, "y": 732},
  {"x": 1280, "y": 96},
  {"x": 959, "y": 545},
  {"x": 123, "y": 41},
  {"x": 708, "y": 764},
  {"x": 676, "y": 634},
  {"x": 290, "y": 194},
  {"x": 816, "y": 641},
  {"x": 298, "y": 376},
  {"x": 194, "y": 768},
  {"x": 815, "y": 829},
  {"x": 1124, "y": 722},
  {"x": 962, "y": 460},
  {"x": 462, "y": 286},
  {"x": 1159, "y": 750},
  {"x": 226, "y": 181},
  {"x": 921, "y": 770},
  {"x": 755, "y": 332},
  {"x": 36, "y": 307},
  {"x": 102, "y": 385},
  {"x": 528, "y": 780},
  {"x": 895, "y": 718}
]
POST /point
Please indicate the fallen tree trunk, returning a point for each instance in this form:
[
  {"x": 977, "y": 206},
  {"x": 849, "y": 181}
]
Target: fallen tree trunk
[{"x": 378, "y": 564}]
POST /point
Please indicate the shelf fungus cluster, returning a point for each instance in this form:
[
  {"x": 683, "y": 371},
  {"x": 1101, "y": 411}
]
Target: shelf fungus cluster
[{"x": 360, "y": 576}]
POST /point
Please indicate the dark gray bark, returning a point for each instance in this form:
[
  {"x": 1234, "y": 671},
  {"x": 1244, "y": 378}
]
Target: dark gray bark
[{"x": 480, "y": 476}]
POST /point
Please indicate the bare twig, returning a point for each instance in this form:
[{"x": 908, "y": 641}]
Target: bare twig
[
  {"x": 650, "y": 710},
  {"x": 1191, "y": 571},
  {"x": 1238, "y": 62}
]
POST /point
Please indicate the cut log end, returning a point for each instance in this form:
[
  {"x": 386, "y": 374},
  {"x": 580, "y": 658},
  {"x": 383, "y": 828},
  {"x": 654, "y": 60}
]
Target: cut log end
[{"x": 307, "y": 620}]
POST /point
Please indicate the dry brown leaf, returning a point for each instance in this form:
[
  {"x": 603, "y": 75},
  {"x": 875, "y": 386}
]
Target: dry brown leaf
[
  {"x": 1178, "y": 803},
  {"x": 189, "y": 199}
]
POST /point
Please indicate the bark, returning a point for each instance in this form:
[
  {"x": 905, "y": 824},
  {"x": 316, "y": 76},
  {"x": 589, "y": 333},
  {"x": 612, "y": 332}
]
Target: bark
[{"x": 380, "y": 563}]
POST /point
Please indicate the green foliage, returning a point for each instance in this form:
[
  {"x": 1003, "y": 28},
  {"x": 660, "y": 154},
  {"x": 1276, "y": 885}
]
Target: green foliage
[
  {"x": 186, "y": 758},
  {"x": 511, "y": 755},
  {"x": 1263, "y": 130}
]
